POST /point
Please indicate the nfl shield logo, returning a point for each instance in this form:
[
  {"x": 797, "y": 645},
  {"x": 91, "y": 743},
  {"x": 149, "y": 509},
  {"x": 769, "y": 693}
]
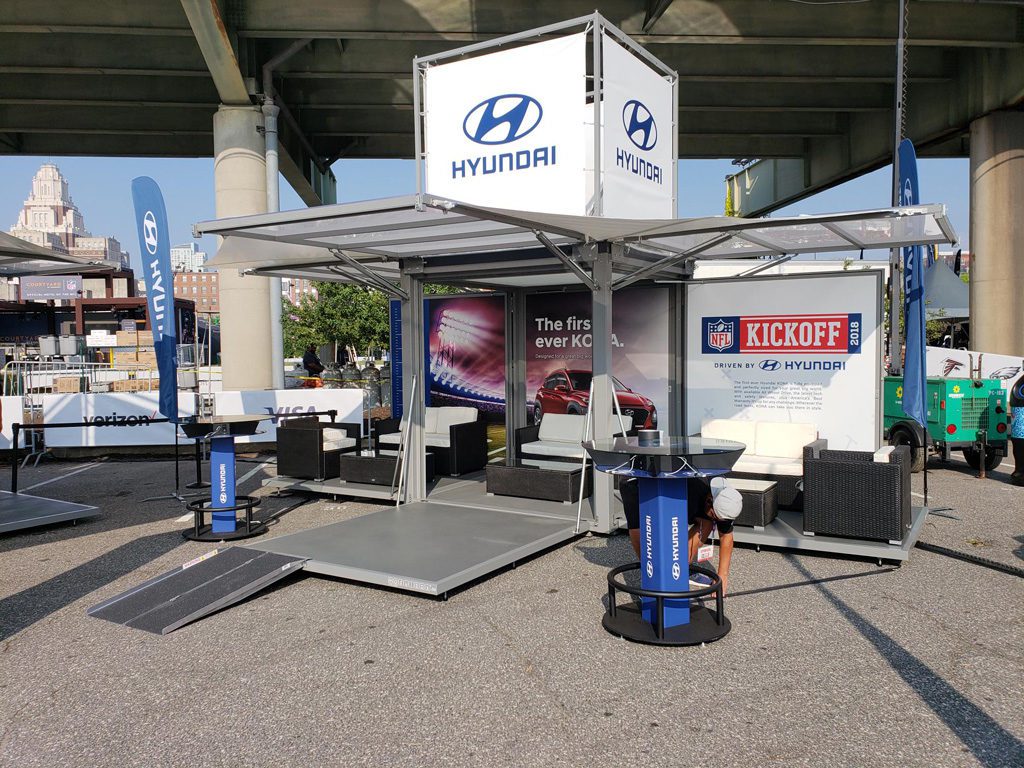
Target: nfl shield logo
[{"x": 720, "y": 335}]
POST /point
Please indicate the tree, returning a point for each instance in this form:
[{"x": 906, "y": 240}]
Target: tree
[{"x": 349, "y": 315}]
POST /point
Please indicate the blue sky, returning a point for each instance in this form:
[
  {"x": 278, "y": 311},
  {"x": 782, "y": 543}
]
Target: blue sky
[{"x": 101, "y": 187}]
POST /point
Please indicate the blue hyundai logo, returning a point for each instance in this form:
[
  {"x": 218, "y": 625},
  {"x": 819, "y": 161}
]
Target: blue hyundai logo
[
  {"x": 501, "y": 119},
  {"x": 639, "y": 124},
  {"x": 770, "y": 365}
]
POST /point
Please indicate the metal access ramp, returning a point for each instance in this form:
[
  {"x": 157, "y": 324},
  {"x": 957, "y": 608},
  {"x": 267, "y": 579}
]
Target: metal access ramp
[
  {"x": 19, "y": 511},
  {"x": 196, "y": 589},
  {"x": 424, "y": 547}
]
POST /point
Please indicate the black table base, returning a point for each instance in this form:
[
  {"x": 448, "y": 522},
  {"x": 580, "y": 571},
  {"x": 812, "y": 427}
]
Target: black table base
[
  {"x": 627, "y": 621},
  {"x": 245, "y": 527}
]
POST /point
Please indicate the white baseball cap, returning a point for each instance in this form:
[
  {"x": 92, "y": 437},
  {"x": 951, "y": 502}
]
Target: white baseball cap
[{"x": 726, "y": 500}]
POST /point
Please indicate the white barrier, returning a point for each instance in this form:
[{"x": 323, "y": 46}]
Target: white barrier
[
  {"x": 12, "y": 409},
  {"x": 291, "y": 402},
  {"x": 957, "y": 363},
  {"x": 121, "y": 419}
]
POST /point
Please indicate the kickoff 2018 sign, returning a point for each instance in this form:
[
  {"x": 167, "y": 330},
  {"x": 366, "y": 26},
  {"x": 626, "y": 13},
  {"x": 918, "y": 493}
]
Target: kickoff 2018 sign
[
  {"x": 813, "y": 334},
  {"x": 794, "y": 349}
]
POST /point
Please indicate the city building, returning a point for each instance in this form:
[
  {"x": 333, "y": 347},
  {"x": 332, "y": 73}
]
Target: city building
[
  {"x": 294, "y": 289},
  {"x": 199, "y": 287},
  {"x": 51, "y": 219},
  {"x": 187, "y": 258}
]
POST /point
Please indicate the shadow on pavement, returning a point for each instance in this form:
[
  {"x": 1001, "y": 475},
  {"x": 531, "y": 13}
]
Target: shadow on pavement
[
  {"x": 989, "y": 742},
  {"x": 25, "y": 608}
]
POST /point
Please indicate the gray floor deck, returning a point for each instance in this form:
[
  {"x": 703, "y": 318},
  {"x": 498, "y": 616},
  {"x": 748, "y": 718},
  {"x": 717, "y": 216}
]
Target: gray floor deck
[
  {"x": 21, "y": 510},
  {"x": 425, "y": 547}
]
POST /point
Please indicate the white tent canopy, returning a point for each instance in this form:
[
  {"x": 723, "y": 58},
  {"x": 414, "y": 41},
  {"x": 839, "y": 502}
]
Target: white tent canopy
[
  {"x": 19, "y": 257},
  {"x": 463, "y": 243},
  {"x": 945, "y": 294}
]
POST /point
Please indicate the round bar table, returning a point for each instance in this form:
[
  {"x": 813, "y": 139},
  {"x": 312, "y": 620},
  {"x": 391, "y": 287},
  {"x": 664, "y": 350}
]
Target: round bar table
[
  {"x": 223, "y": 504},
  {"x": 662, "y": 468}
]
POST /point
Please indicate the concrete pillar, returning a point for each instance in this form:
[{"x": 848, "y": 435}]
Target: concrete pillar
[
  {"x": 239, "y": 176},
  {"x": 997, "y": 233}
]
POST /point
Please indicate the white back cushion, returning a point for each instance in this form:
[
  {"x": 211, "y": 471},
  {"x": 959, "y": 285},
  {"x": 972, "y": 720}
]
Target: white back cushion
[
  {"x": 882, "y": 455},
  {"x": 430, "y": 419},
  {"x": 450, "y": 415},
  {"x": 731, "y": 429},
  {"x": 776, "y": 438},
  {"x": 567, "y": 427}
]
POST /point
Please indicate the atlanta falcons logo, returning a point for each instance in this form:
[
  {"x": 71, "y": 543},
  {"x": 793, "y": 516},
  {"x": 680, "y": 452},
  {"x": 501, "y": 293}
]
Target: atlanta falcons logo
[{"x": 949, "y": 365}]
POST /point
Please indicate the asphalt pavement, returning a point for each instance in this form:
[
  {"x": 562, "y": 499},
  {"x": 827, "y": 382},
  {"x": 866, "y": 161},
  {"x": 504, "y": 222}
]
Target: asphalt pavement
[{"x": 830, "y": 661}]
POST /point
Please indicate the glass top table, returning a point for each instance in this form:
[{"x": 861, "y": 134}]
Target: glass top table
[{"x": 671, "y": 456}]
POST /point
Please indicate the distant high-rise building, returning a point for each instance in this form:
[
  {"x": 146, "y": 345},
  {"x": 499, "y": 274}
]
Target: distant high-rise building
[
  {"x": 187, "y": 258},
  {"x": 294, "y": 289},
  {"x": 51, "y": 219}
]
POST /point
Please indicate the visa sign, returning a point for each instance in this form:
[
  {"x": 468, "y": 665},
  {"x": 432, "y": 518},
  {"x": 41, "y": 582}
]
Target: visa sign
[{"x": 780, "y": 334}]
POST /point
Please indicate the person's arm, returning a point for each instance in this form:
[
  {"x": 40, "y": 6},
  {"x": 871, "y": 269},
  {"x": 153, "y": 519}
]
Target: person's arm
[
  {"x": 725, "y": 559},
  {"x": 699, "y": 535}
]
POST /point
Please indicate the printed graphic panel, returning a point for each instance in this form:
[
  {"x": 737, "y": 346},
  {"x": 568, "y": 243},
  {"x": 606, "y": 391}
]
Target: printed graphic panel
[
  {"x": 120, "y": 419},
  {"x": 801, "y": 350},
  {"x": 637, "y": 159},
  {"x": 559, "y": 352},
  {"x": 288, "y": 402},
  {"x": 504, "y": 129}
]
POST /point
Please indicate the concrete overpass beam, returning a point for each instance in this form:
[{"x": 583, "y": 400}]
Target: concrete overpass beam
[
  {"x": 997, "y": 233},
  {"x": 240, "y": 180}
]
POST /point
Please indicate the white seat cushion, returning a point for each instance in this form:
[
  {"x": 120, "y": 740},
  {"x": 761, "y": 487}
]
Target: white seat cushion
[
  {"x": 562, "y": 448},
  {"x": 438, "y": 441},
  {"x": 391, "y": 438},
  {"x": 776, "y": 438},
  {"x": 340, "y": 444},
  {"x": 449, "y": 416},
  {"x": 882, "y": 455},
  {"x": 430, "y": 419},
  {"x": 769, "y": 465},
  {"x": 563, "y": 427},
  {"x": 731, "y": 429}
]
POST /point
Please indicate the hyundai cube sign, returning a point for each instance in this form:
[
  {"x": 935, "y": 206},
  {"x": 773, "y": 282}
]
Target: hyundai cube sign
[
  {"x": 638, "y": 153},
  {"x": 788, "y": 349},
  {"x": 504, "y": 129}
]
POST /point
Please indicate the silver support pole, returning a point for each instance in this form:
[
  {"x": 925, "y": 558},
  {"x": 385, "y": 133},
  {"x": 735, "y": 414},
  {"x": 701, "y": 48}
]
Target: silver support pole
[
  {"x": 418, "y": 79},
  {"x": 413, "y": 363},
  {"x": 598, "y": 53},
  {"x": 583, "y": 470},
  {"x": 895, "y": 272},
  {"x": 270, "y": 112},
  {"x": 601, "y": 401}
]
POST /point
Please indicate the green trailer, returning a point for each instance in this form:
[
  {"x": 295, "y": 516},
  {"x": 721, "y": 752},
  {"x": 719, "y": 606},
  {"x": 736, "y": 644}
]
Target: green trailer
[{"x": 963, "y": 414}]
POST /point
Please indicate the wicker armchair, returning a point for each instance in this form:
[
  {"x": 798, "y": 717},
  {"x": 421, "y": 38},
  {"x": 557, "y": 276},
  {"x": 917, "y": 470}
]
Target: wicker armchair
[
  {"x": 308, "y": 448},
  {"x": 858, "y": 494}
]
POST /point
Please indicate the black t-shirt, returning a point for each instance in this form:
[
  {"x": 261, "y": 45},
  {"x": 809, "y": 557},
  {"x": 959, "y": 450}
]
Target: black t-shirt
[{"x": 697, "y": 492}]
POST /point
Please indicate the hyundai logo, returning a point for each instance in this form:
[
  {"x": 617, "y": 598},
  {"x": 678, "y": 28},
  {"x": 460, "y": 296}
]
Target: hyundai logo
[
  {"x": 149, "y": 232},
  {"x": 650, "y": 569},
  {"x": 639, "y": 124},
  {"x": 676, "y": 571},
  {"x": 770, "y": 365},
  {"x": 502, "y": 119}
]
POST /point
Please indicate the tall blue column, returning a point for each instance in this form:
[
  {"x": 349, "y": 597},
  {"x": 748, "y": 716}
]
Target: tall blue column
[
  {"x": 222, "y": 483},
  {"x": 664, "y": 550}
]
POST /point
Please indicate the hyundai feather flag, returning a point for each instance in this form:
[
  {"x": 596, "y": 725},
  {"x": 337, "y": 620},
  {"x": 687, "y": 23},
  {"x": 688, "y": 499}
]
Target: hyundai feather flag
[
  {"x": 914, "y": 367},
  {"x": 155, "y": 248}
]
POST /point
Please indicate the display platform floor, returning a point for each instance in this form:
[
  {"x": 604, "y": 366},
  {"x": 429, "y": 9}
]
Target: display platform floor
[
  {"x": 333, "y": 487},
  {"x": 425, "y": 547},
  {"x": 21, "y": 510},
  {"x": 786, "y": 532}
]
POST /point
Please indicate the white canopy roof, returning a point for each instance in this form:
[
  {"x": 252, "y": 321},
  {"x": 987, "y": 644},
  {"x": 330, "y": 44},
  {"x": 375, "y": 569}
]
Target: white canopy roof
[
  {"x": 463, "y": 243},
  {"x": 19, "y": 257}
]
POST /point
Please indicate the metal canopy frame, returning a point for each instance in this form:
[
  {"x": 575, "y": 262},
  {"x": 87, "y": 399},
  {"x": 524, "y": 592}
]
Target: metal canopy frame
[
  {"x": 594, "y": 24},
  {"x": 397, "y": 245}
]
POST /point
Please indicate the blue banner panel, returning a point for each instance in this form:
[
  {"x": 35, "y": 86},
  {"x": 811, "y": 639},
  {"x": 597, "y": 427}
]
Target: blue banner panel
[
  {"x": 915, "y": 385},
  {"x": 222, "y": 483},
  {"x": 155, "y": 250}
]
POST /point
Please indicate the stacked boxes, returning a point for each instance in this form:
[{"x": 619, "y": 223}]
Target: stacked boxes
[{"x": 64, "y": 385}]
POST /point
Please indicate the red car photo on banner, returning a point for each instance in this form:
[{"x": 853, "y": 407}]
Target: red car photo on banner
[{"x": 559, "y": 353}]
